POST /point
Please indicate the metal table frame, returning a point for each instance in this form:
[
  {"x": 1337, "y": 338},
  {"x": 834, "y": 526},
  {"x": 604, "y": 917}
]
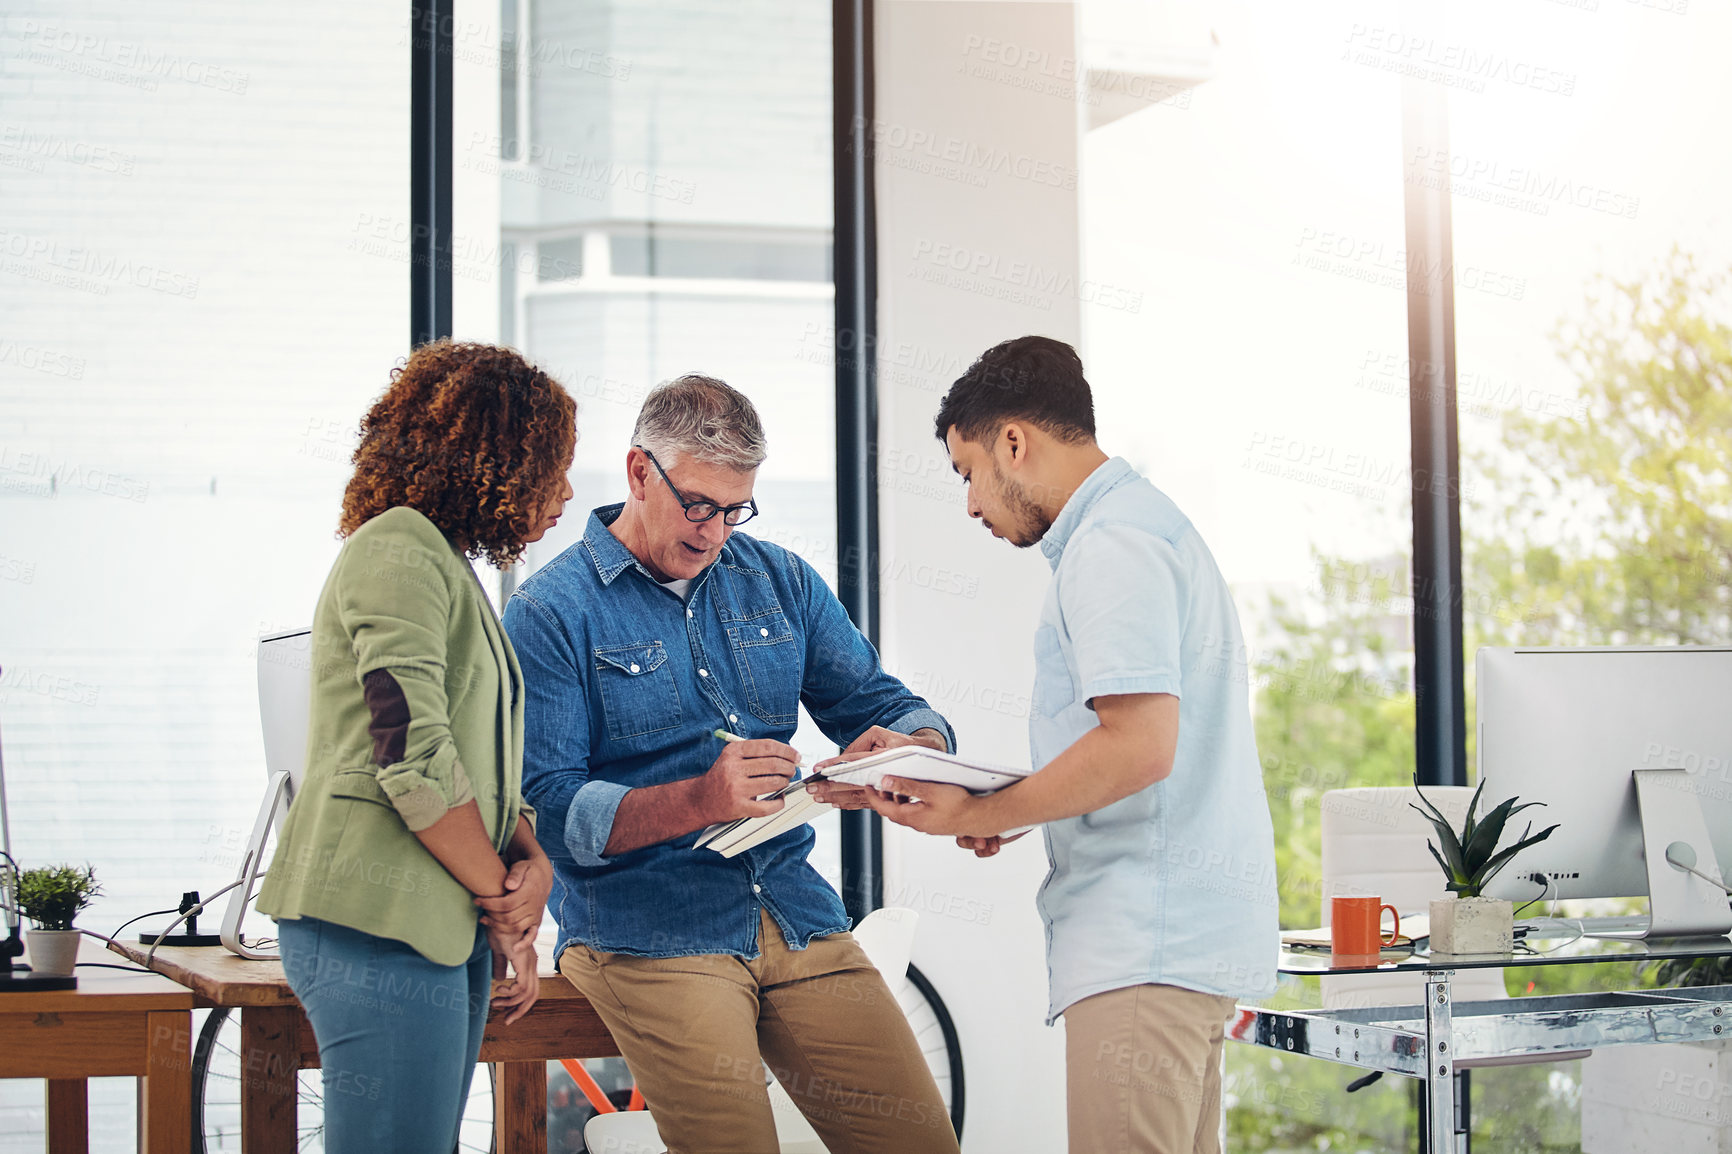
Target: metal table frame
[{"x": 1427, "y": 1041}]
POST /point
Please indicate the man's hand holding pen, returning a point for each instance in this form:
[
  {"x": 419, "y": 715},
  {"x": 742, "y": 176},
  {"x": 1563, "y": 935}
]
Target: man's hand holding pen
[{"x": 746, "y": 770}]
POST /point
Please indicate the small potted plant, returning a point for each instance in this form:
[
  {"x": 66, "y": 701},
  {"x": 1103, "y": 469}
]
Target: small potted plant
[
  {"x": 51, "y": 896},
  {"x": 1467, "y": 922}
]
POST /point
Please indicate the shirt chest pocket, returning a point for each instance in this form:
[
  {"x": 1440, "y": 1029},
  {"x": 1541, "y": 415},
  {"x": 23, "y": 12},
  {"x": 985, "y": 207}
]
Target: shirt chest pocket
[
  {"x": 638, "y": 694},
  {"x": 767, "y": 655},
  {"x": 1053, "y": 689}
]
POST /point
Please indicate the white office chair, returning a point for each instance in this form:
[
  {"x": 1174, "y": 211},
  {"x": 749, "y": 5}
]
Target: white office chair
[
  {"x": 887, "y": 937},
  {"x": 1374, "y": 844}
]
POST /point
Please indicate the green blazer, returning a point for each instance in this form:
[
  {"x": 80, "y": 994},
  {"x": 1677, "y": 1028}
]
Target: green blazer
[{"x": 417, "y": 707}]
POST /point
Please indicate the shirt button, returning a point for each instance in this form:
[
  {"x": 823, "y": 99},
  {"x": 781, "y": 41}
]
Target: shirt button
[
  {"x": 688, "y": 612},
  {"x": 763, "y": 633},
  {"x": 732, "y": 719},
  {"x": 703, "y": 673},
  {"x": 634, "y": 667},
  {"x": 757, "y": 889}
]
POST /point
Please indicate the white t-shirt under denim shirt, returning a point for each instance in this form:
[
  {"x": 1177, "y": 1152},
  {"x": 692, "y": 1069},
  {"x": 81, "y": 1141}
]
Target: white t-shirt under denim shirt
[{"x": 1176, "y": 883}]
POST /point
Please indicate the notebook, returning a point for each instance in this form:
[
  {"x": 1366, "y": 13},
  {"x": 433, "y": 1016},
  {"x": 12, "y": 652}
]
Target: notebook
[{"x": 915, "y": 762}]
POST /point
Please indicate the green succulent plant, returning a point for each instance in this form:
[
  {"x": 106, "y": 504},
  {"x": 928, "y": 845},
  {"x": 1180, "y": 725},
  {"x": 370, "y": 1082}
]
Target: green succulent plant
[
  {"x": 1471, "y": 859},
  {"x": 51, "y": 896}
]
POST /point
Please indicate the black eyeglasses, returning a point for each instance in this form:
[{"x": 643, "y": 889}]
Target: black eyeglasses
[{"x": 701, "y": 511}]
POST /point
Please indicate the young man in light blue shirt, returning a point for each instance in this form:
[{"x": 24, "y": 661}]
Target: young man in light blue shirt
[{"x": 1161, "y": 904}]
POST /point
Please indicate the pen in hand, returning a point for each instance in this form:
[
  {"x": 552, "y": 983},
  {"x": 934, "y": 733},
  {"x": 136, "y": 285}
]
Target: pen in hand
[{"x": 797, "y": 784}]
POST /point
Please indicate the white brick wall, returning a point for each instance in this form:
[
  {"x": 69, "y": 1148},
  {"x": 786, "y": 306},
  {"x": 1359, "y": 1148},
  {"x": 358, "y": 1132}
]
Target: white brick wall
[{"x": 175, "y": 415}]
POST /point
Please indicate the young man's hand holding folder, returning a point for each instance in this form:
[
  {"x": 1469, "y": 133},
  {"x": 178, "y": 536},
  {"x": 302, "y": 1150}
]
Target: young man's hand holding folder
[{"x": 849, "y": 781}]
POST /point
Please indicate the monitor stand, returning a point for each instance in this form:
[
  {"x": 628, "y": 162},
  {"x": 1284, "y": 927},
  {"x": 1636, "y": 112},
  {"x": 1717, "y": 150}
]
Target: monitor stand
[
  {"x": 1680, "y": 904},
  {"x": 241, "y": 898}
]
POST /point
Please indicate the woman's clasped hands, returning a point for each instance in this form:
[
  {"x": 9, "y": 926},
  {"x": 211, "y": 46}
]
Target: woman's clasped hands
[{"x": 512, "y": 920}]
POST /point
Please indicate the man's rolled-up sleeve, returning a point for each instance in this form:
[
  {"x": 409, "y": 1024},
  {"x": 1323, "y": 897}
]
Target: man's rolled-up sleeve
[
  {"x": 926, "y": 718},
  {"x": 589, "y": 820},
  {"x": 579, "y": 811}
]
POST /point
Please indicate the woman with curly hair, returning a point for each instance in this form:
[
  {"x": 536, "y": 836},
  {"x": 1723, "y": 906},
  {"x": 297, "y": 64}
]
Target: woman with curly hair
[{"x": 408, "y": 876}]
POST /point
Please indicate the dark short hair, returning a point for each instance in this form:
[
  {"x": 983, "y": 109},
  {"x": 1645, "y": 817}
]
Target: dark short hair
[{"x": 1033, "y": 379}]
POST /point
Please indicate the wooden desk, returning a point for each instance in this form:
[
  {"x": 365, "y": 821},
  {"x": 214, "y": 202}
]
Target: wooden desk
[
  {"x": 114, "y": 1023},
  {"x": 277, "y": 1041}
]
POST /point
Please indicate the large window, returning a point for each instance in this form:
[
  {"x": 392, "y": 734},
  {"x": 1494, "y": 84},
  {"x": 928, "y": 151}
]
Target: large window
[
  {"x": 1596, "y": 507},
  {"x": 1594, "y": 402},
  {"x": 1254, "y": 212},
  {"x": 202, "y": 285},
  {"x": 1255, "y": 215},
  {"x": 645, "y": 191}
]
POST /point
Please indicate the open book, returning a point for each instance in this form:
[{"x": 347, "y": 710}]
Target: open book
[{"x": 799, "y": 807}]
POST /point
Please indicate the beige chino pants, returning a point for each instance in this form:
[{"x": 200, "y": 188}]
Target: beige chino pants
[
  {"x": 698, "y": 1031},
  {"x": 1143, "y": 1071}
]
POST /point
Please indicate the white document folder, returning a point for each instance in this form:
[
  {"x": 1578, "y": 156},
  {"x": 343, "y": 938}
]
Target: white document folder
[{"x": 915, "y": 762}]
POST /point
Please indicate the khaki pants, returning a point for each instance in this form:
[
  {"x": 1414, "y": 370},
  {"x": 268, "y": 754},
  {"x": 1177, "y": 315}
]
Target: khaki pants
[
  {"x": 697, "y": 1032},
  {"x": 1143, "y": 1071}
]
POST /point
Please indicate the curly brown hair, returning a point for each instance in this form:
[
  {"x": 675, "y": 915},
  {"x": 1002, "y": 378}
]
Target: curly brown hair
[{"x": 470, "y": 435}]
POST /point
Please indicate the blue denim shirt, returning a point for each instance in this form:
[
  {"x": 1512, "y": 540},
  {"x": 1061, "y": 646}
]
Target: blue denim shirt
[
  {"x": 1174, "y": 884},
  {"x": 624, "y": 685}
]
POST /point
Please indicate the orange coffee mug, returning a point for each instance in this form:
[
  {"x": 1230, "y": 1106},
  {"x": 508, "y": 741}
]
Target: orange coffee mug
[{"x": 1356, "y": 925}]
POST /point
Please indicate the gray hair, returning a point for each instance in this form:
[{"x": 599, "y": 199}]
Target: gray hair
[{"x": 704, "y": 417}]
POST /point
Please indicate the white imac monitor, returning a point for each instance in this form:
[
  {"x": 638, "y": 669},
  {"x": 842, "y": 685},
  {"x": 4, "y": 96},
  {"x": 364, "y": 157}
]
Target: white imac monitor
[
  {"x": 285, "y": 700},
  {"x": 285, "y": 696},
  {"x": 1569, "y": 727}
]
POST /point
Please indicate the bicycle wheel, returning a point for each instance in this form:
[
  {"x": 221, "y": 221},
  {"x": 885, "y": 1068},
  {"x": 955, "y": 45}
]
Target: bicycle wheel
[
  {"x": 216, "y": 1097},
  {"x": 936, "y": 1033}
]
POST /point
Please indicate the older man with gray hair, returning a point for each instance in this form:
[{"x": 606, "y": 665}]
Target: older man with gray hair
[{"x": 661, "y": 626}]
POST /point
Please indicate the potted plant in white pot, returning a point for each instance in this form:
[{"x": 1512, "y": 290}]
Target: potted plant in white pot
[
  {"x": 51, "y": 896},
  {"x": 1467, "y": 922}
]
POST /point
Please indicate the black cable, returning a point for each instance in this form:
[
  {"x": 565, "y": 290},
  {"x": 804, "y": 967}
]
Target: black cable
[
  {"x": 112, "y": 966},
  {"x": 197, "y": 908},
  {"x": 1545, "y": 884},
  {"x": 17, "y": 880},
  {"x": 141, "y": 917}
]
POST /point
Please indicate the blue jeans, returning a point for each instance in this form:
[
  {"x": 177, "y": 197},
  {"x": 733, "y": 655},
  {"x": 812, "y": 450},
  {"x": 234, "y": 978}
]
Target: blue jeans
[{"x": 398, "y": 1035}]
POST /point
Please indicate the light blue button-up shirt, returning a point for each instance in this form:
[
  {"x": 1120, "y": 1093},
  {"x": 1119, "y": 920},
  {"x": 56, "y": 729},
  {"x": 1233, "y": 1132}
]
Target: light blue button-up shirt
[{"x": 1176, "y": 883}]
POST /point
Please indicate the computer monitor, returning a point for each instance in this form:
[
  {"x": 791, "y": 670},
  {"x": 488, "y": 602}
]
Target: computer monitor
[
  {"x": 285, "y": 696},
  {"x": 1568, "y": 727},
  {"x": 285, "y": 700}
]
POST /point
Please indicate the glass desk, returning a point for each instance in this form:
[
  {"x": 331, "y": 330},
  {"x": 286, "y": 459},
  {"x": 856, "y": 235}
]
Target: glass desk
[{"x": 1426, "y": 1041}]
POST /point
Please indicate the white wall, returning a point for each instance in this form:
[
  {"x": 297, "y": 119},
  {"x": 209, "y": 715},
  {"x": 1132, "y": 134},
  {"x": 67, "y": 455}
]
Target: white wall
[
  {"x": 202, "y": 285},
  {"x": 978, "y": 241}
]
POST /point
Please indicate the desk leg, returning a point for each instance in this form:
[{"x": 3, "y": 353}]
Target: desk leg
[
  {"x": 1439, "y": 1066},
  {"x": 520, "y": 1108},
  {"x": 165, "y": 1092},
  {"x": 68, "y": 1116},
  {"x": 270, "y": 1059}
]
